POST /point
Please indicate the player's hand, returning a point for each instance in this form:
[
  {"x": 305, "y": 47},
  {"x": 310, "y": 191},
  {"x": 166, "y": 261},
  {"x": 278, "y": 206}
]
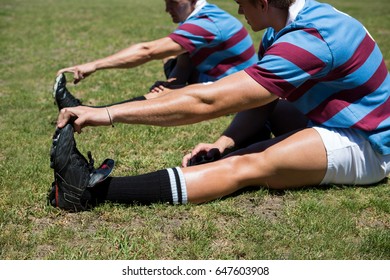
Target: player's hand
[
  {"x": 160, "y": 86},
  {"x": 80, "y": 72},
  {"x": 202, "y": 153},
  {"x": 83, "y": 116}
]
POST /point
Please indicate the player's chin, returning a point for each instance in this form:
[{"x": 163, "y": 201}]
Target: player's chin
[{"x": 175, "y": 19}]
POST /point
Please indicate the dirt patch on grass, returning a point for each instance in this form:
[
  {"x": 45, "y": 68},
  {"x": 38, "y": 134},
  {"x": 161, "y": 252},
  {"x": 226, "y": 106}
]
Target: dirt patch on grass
[
  {"x": 268, "y": 207},
  {"x": 368, "y": 219}
]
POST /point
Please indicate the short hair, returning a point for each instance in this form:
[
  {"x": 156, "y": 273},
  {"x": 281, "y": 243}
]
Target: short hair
[{"x": 280, "y": 4}]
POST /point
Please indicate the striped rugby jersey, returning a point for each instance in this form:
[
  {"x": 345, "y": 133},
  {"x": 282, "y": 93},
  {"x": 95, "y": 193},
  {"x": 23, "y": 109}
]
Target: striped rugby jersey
[
  {"x": 218, "y": 43},
  {"x": 326, "y": 63}
]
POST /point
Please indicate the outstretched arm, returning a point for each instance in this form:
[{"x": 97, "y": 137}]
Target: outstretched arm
[
  {"x": 192, "y": 104},
  {"x": 127, "y": 58}
]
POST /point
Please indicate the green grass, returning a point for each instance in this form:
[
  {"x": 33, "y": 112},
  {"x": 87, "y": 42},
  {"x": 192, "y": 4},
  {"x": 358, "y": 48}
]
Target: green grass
[{"x": 41, "y": 36}]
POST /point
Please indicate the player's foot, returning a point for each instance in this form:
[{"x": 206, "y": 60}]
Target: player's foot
[
  {"x": 205, "y": 157},
  {"x": 72, "y": 172},
  {"x": 63, "y": 98}
]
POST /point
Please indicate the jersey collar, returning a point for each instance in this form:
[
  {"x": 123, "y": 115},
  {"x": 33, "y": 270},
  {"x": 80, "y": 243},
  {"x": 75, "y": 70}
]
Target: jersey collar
[
  {"x": 198, "y": 6},
  {"x": 294, "y": 9}
]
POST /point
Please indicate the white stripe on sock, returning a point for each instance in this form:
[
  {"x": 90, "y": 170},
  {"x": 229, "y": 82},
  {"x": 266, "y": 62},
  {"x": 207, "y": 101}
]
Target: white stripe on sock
[
  {"x": 173, "y": 186},
  {"x": 182, "y": 185}
]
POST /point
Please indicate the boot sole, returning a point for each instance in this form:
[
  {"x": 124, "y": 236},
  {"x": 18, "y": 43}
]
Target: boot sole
[{"x": 56, "y": 84}]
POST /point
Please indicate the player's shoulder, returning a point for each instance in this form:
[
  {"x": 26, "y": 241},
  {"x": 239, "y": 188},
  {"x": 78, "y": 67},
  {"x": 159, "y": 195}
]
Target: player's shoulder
[{"x": 212, "y": 11}]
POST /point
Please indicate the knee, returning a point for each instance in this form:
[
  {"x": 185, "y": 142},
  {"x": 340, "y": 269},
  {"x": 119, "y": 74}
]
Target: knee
[
  {"x": 249, "y": 169},
  {"x": 258, "y": 169}
]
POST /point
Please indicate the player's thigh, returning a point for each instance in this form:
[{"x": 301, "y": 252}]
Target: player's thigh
[{"x": 294, "y": 161}]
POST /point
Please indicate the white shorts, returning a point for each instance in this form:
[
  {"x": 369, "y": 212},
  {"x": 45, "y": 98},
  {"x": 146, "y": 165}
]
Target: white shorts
[{"x": 351, "y": 159}]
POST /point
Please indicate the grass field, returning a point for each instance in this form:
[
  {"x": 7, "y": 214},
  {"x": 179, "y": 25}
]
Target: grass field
[{"x": 38, "y": 37}]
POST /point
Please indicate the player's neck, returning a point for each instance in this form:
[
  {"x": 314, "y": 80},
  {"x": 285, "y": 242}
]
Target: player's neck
[{"x": 278, "y": 18}]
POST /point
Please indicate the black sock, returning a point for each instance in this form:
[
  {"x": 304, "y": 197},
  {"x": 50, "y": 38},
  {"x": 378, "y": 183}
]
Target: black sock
[
  {"x": 166, "y": 185},
  {"x": 138, "y": 98}
]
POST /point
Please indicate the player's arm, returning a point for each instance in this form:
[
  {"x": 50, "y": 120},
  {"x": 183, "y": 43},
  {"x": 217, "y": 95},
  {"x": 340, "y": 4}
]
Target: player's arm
[
  {"x": 140, "y": 53},
  {"x": 195, "y": 103},
  {"x": 132, "y": 56}
]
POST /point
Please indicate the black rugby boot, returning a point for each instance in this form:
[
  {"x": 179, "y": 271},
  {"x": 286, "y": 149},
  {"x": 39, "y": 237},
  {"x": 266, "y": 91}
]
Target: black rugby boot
[
  {"x": 63, "y": 98},
  {"x": 72, "y": 172}
]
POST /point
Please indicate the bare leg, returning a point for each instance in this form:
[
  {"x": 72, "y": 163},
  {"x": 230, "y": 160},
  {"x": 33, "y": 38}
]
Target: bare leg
[{"x": 286, "y": 162}]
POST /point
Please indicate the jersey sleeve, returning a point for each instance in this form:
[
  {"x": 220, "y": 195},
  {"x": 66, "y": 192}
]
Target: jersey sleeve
[
  {"x": 291, "y": 61},
  {"x": 196, "y": 34}
]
